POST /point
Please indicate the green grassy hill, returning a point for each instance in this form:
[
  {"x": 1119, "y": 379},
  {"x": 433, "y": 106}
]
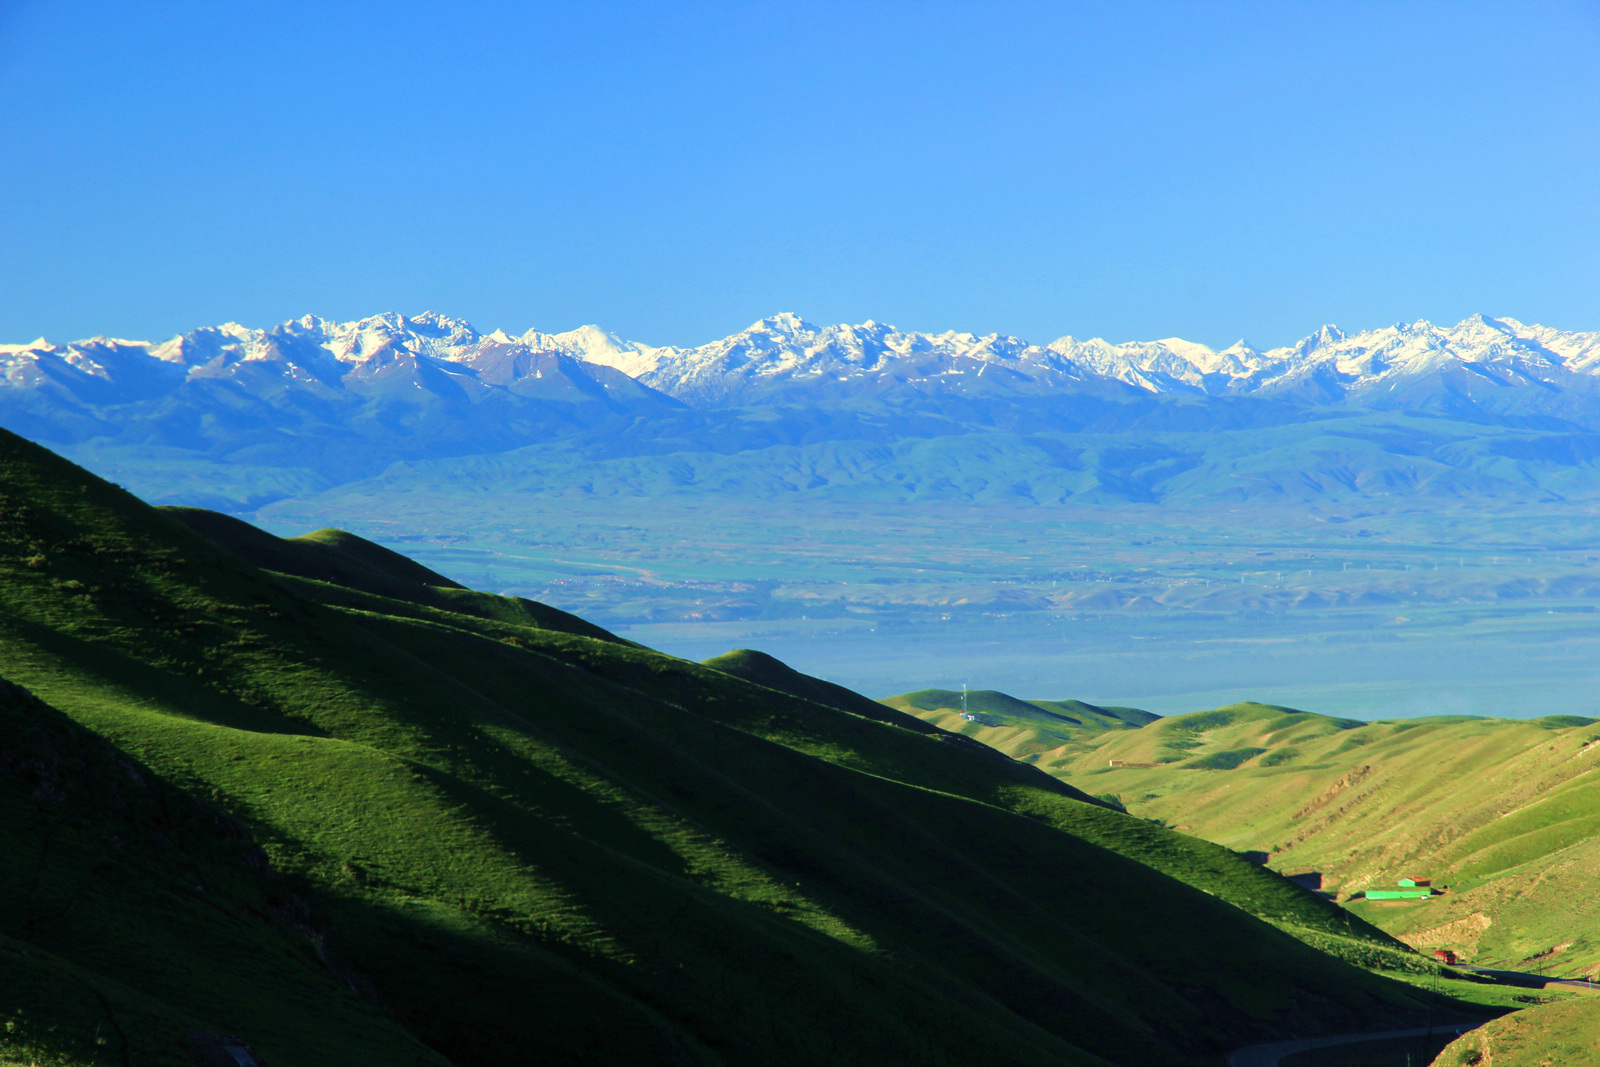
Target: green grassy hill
[
  {"x": 1504, "y": 812},
  {"x": 1549, "y": 1035},
  {"x": 424, "y": 825},
  {"x": 137, "y": 914},
  {"x": 1041, "y": 732},
  {"x": 341, "y": 558}
]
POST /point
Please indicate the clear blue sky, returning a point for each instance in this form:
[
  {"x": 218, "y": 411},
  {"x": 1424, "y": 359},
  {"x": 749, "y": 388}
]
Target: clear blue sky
[{"x": 674, "y": 171}]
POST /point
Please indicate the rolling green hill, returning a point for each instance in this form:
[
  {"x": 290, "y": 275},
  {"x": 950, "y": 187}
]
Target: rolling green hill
[
  {"x": 426, "y": 825},
  {"x": 1548, "y": 1035},
  {"x": 137, "y": 914},
  {"x": 1028, "y": 730},
  {"x": 1504, "y": 812}
]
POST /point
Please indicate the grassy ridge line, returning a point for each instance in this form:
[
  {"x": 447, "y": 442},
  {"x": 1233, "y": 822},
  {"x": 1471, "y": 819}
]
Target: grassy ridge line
[
  {"x": 322, "y": 787},
  {"x": 1359, "y": 943},
  {"x": 1062, "y": 713},
  {"x": 1019, "y": 788},
  {"x": 1212, "y": 869},
  {"x": 762, "y": 669},
  {"x": 341, "y": 558},
  {"x": 899, "y": 748},
  {"x": 1038, "y": 732},
  {"x": 713, "y": 808}
]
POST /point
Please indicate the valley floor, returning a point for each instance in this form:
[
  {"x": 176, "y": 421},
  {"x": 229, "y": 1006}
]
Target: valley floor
[{"x": 1348, "y": 612}]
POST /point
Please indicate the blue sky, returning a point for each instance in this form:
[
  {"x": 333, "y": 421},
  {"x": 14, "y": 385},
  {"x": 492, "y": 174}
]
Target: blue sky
[{"x": 674, "y": 171}]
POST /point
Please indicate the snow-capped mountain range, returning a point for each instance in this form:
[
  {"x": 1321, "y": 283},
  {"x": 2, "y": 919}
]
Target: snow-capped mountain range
[
  {"x": 382, "y": 354},
  {"x": 237, "y": 418},
  {"x": 785, "y": 358}
]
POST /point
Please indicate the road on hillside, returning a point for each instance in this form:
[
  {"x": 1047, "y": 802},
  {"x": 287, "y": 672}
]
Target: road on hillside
[
  {"x": 1574, "y": 985},
  {"x": 1539, "y": 981},
  {"x": 1269, "y": 1055}
]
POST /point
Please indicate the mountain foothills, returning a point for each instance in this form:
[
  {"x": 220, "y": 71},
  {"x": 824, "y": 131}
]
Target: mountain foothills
[
  {"x": 1505, "y": 812},
  {"x": 1489, "y": 408},
  {"x": 308, "y": 798},
  {"x": 1501, "y": 816}
]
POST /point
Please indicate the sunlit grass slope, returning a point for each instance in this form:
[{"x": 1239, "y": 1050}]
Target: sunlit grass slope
[
  {"x": 1549, "y": 1035},
  {"x": 527, "y": 841},
  {"x": 134, "y": 914},
  {"x": 1505, "y": 812},
  {"x": 1036, "y": 731}
]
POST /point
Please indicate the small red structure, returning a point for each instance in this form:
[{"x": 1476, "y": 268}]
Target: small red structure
[{"x": 1444, "y": 955}]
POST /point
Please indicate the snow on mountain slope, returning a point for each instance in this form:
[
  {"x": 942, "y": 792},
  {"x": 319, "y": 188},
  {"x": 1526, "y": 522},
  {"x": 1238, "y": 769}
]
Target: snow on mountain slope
[
  {"x": 787, "y": 358},
  {"x": 594, "y": 345},
  {"x": 1478, "y": 354},
  {"x": 1479, "y": 361},
  {"x": 1488, "y": 364},
  {"x": 96, "y": 370},
  {"x": 399, "y": 357},
  {"x": 248, "y": 415},
  {"x": 1172, "y": 365}
]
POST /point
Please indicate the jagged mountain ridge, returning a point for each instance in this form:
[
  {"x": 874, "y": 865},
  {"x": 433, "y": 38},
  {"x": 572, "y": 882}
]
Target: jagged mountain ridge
[
  {"x": 378, "y": 354},
  {"x": 237, "y": 418},
  {"x": 1398, "y": 366},
  {"x": 787, "y": 358},
  {"x": 332, "y": 401}
]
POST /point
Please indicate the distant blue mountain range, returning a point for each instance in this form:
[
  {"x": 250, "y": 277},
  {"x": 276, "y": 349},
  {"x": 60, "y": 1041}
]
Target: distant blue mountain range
[{"x": 236, "y": 418}]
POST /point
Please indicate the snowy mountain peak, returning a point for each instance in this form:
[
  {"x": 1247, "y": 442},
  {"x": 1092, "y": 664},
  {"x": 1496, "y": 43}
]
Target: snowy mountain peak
[
  {"x": 785, "y": 322},
  {"x": 39, "y": 345},
  {"x": 785, "y": 358},
  {"x": 1325, "y": 337},
  {"x": 594, "y": 345}
]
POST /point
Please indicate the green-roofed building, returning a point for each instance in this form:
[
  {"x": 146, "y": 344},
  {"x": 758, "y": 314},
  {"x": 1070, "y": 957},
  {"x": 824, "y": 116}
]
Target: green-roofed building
[{"x": 1407, "y": 889}]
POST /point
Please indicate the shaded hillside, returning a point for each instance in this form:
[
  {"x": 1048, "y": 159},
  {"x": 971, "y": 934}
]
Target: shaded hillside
[
  {"x": 539, "y": 844},
  {"x": 1505, "y": 812}
]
